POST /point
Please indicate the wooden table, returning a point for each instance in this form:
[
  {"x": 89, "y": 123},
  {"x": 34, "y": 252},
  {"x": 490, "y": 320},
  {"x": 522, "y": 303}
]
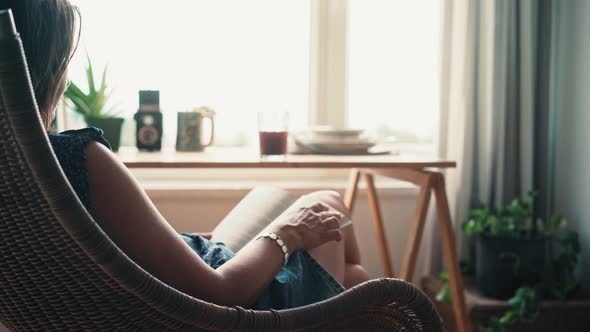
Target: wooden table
[{"x": 418, "y": 171}]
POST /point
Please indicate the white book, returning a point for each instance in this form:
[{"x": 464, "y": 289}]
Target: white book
[{"x": 252, "y": 214}]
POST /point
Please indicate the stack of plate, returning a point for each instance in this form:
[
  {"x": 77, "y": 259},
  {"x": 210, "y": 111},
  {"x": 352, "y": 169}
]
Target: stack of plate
[{"x": 330, "y": 140}]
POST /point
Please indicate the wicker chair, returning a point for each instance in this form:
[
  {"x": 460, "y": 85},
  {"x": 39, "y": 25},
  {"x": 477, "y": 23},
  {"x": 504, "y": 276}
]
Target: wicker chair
[{"x": 59, "y": 270}]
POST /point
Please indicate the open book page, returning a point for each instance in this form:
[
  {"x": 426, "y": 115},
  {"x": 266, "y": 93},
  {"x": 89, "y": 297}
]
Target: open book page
[{"x": 252, "y": 214}]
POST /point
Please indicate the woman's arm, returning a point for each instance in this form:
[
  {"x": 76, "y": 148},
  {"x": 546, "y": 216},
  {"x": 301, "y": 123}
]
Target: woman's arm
[{"x": 127, "y": 215}]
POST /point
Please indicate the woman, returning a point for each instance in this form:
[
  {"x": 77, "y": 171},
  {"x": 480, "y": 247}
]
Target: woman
[{"x": 320, "y": 259}]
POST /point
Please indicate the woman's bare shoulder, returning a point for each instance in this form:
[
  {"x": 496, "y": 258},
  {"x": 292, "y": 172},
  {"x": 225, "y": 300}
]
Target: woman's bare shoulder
[
  {"x": 112, "y": 186},
  {"x": 98, "y": 154},
  {"x": 125, "y": 212}
]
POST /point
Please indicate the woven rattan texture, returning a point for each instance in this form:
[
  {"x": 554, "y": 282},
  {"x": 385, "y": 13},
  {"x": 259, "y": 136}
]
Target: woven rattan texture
[{"x": 46, "y": 280}]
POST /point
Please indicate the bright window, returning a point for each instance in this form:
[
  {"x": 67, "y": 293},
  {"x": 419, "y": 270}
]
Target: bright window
[
  {"x": 394, "y": 68},
  {"x": 237, "y": 57}
]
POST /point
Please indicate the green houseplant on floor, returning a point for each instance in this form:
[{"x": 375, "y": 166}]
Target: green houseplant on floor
[
  {"x": 511, "y": 247},
  {"x": 521, "y": 260},
  {"x": 93, "y": 106}
]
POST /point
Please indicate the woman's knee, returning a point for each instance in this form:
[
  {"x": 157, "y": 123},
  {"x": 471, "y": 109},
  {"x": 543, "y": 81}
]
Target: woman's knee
[
  {"x": 354, "y": 274},
  {"x": 330, "y": 256},
  {"x": 331, "y": 198}
]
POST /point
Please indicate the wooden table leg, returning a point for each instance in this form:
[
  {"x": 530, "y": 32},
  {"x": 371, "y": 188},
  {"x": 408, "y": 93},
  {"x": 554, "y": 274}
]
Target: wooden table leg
[
  {"x": 378, "y": 225},
  {"x": 450, "y": 254},
  {"x": 350, "y": 195},
  {"x": 413, "y": 244},
  {"x": 428, "y": 182}
]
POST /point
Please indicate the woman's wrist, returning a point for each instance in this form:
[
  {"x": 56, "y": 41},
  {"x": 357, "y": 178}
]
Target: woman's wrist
[
  {"x": 279, "y": 242},
  {"x": 288, "y": 235}
]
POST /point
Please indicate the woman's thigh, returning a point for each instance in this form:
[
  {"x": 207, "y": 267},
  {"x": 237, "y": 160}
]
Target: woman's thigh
[{"x": 329, "y": 255}]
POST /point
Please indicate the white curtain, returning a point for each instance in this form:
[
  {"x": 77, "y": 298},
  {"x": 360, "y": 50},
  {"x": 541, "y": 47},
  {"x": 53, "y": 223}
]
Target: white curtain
[{"x": 497, "y": 68}]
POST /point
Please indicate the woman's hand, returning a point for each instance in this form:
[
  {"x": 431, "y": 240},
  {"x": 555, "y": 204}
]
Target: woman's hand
[{"x": 305, "y": 228}]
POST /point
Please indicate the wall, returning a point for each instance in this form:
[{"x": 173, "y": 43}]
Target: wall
[{"x": 572, "y": 176}]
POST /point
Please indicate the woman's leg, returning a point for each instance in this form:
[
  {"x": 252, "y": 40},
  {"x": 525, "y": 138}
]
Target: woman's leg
[
  {"x": 341, "y": 259},
  {"x": 332, "y": 259}
]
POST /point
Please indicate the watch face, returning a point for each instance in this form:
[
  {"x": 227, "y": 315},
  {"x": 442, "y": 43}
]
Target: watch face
[{"x": 148, "y": 135}]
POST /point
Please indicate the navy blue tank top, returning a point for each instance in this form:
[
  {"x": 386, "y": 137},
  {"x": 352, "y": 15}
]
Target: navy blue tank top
[{"x": 70, "y": 149}]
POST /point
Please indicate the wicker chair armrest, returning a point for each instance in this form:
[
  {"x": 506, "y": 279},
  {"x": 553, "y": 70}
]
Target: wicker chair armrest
[{"x": 376, "y": 305}]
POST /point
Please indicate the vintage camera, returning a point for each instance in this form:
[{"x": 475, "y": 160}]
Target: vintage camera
[{"x": 149, "y": 121}]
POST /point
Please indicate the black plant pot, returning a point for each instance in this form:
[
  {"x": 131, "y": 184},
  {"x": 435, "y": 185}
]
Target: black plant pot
[
  {"x": 111, "y": 128},
  {"x": 503, "y": 264}
]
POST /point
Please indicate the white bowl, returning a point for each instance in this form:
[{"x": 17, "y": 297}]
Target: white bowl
[
  {"x": 332, "y": 144},
  {"x": 311, "y": 138},
  {"x": 329, "y": 131}
]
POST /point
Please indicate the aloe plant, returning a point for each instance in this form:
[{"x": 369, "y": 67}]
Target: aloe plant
[{"x": 93, "y": 103}]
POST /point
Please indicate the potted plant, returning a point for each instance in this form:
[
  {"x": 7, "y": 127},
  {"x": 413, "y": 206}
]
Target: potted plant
[
  {"x": 93, "y": 107},
  {"x": 537, "y": 260},
  {"x": 510, "y": 247}
]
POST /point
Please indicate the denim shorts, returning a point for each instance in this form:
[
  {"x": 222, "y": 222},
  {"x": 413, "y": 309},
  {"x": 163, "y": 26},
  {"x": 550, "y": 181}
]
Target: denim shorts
[{"x": 303, "y": 281}]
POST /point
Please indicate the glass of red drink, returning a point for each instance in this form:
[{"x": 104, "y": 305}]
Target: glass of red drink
[{"x": 273, "y": 133}]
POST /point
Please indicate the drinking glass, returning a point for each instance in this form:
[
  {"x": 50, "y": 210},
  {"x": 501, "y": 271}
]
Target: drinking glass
[{"x": 273, "y": 133}]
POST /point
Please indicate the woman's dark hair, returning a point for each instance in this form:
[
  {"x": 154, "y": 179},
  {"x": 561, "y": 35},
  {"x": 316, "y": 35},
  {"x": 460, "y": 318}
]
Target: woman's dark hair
[{"x": 49, "y": 33}]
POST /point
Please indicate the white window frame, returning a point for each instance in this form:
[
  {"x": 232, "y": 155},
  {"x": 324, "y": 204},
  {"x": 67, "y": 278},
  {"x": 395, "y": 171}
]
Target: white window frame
[{"x": 328, "y": 76}]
